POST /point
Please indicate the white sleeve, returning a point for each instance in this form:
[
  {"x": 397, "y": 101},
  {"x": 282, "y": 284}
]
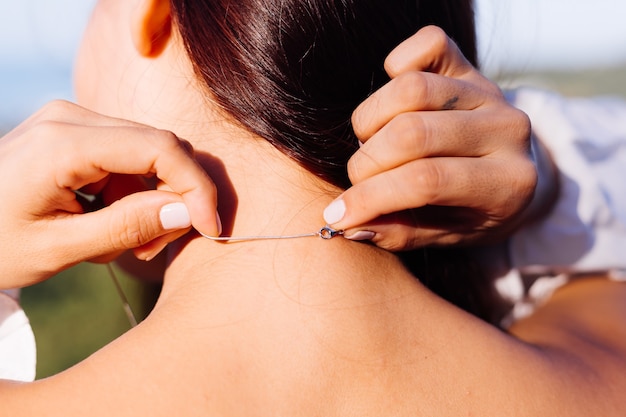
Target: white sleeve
[
  {"x": 18, "y": 355},
  {"x": 586, "y": 230}
]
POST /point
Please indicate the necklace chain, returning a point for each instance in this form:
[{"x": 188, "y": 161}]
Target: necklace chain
[{"x": 325, "y": 232}]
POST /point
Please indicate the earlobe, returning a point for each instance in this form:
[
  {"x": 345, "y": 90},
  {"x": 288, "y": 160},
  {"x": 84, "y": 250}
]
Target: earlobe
[{"x": 151, "y": 27}]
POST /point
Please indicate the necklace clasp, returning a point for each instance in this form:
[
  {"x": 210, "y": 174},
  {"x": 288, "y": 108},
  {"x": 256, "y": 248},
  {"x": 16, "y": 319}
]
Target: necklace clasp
[{"x": 328, "y": 232}]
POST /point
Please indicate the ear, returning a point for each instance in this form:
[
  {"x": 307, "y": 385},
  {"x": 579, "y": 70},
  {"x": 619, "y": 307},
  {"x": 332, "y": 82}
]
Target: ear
[{"x": 151, "y": 26}]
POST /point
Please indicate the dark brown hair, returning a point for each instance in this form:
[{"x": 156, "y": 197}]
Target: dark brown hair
[{"x": 293, "y": 71}]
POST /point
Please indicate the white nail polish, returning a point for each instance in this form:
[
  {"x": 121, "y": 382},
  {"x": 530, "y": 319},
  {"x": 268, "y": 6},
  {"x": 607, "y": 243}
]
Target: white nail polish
[
  {"x": 335, "y": 211},
  {"x": 174, "y": 216}
]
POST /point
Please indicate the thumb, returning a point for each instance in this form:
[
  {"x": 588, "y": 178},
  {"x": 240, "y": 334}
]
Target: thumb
[{"x": 128, "y": 223}]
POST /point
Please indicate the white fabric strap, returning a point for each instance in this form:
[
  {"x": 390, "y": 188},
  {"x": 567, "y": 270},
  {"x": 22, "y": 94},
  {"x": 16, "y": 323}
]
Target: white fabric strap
[{"x": 18, "y": 355}]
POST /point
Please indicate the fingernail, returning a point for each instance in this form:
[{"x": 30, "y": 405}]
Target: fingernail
[
  {"x": 335, "y": 211},
  {"x": 153, "y": 254},
  {"x": 174, "y": 216},
  {"x": 219, "y": 223},
  {"x": 361, "y": 235}
]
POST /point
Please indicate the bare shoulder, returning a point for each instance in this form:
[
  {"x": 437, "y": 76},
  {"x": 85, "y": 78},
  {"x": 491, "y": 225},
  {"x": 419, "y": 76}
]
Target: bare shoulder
[{"x": 592, "y": 309}]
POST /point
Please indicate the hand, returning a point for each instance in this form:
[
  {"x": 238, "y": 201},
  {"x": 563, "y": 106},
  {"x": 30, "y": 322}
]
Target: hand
[
  {"x": 445, "y": 159},
  {"x": 64, "y": 148}
]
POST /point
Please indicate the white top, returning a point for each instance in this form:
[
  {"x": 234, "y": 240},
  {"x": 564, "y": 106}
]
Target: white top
[
  {"x": 18, "y": 355},
  {"x": 586, "y": 231}
]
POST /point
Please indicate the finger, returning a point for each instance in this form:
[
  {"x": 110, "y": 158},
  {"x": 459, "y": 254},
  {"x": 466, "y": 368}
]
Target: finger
[
  {"x": 430, "y": 49},
  {"x": 139, "y": 151},
  {"x": 67, "y": 112},
  {"x": 409, "y": 92},
  {"x": 398, "y": 235},
  {"x": 426, "y": 226},
  {"x": 416, "y": 91},
  {"x": 482, "y": 184},
  {"x": 150, "y": 250},
  {"x": 129, "y": 223},
  {"x": 62, "y": 111},
  {"x": 414, "y": 135}
]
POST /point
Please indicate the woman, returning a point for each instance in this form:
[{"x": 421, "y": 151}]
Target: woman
[
  {"x": 305, "y": 326},
  {"x": 64, "y": 139}
]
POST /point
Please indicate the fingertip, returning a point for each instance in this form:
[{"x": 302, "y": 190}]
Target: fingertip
[
  {"x": 187, "y": 146},
  {"x": 405, "y": 56},
  {"x": 174, "y": 216},
  {"x": 218, "y": 223},
  {"x": 395, "y": 62}
]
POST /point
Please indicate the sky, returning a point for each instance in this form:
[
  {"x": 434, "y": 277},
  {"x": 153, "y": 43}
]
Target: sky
[
  {"x": 38, "y": 39},
  {"x": 551, "y": 34}
]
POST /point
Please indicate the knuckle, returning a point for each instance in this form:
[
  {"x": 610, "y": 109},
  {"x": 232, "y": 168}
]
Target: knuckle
[
  {"x": 355, "y": 171},
  {"x": 520, "y": 123},
  {"x": 46, "y": 133},
  {"x": 428, "y": 178},
  {"x": 187, "y": 146},
  {"x": 406, "y": 133},
  {"x": 55, "y": 109},
  {"x": 438, "y": 38},
  {"x": 527, "y": 175},
  {"x": 165, "y": 138},
  {"x": 362, "y": 117},
  {"x": 167, "y": 142},
  {"x": 46, "y": 128},
  {"x": 169, "y": 138},
  {"x": 162, "y": 143},
  {"x": 411, "y": 87},
  {"x": 521, "y": 178},
  {"x": 130, "y": 231}
]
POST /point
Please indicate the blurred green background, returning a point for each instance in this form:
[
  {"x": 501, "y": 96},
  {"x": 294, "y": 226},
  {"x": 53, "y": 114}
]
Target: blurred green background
[
  {"x": 78, "y": 311},
  {"x": 600, "y": 81}
]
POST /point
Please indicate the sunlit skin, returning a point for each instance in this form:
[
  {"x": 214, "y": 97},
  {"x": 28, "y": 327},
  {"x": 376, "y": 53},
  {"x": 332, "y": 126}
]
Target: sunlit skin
[{"x": 309, "y": 326}]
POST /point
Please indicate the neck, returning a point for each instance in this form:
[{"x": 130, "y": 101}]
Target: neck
[{"x": 260, "y": 190}]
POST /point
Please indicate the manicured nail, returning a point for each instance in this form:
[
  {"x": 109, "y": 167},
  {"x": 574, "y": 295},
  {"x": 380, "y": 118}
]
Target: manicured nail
[
  {"x": 361, "y": 235},
  {"x": 335, "y": 211},
  {"x": 219, "y": 223},
  {"x": 153, "y": 254},
  {"x": 174, "y": 216}
]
